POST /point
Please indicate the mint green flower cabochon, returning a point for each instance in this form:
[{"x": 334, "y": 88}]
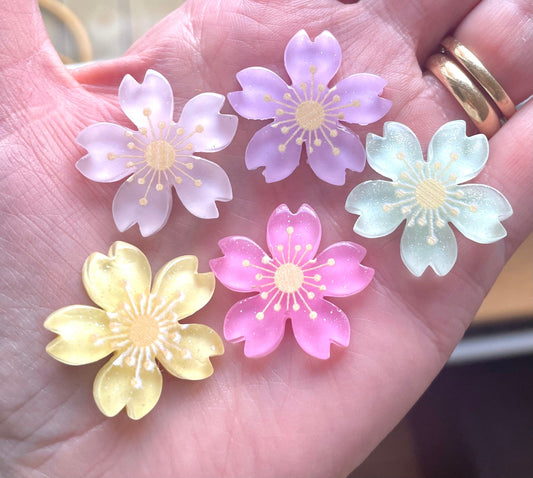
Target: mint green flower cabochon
[{"x": 428, "y": 195}]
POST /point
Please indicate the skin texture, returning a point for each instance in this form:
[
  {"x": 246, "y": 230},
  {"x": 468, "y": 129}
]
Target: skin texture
[{"x": 286, "y": 414}]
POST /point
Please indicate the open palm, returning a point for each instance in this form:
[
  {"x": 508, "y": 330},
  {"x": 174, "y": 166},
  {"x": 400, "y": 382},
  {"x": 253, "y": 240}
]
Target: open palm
[{"x": 287, "y": 414}]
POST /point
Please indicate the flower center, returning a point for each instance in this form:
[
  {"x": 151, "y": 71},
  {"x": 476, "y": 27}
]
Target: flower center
[
  {"x": 143, "y": 331},
  {"x": 310, "y": 115},
  {"x": 288, "y": 278},
  {"x": 160, "y": 155},
  {"x": 430, "y": 194}
]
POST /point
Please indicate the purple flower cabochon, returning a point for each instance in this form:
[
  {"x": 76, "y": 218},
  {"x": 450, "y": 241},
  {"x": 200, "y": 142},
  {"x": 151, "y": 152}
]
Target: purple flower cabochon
[{"x": 308, "y": 111}]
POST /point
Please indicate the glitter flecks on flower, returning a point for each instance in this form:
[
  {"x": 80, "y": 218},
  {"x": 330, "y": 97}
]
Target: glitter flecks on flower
[
  {"x": 160, "y": 155},
  {"x": 139, "y": 325},
  {"x": 428, "y": 195},
  {"x": 308, "y": 111},
  {"x": 290, "y": 283}
]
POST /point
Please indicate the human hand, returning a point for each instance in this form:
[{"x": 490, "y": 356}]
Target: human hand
[{"x": 287, "y": 414}]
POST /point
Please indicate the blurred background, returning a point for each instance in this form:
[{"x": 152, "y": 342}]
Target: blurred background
[{"x": 476, "y": 419}]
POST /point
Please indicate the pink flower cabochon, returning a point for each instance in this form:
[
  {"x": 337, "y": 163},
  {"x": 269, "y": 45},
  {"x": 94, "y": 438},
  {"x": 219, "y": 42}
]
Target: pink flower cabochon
[
  {"x": 308, "y": 111},
  {"x": 290, "y": 282},
  {"x": 159, "y": 155}
]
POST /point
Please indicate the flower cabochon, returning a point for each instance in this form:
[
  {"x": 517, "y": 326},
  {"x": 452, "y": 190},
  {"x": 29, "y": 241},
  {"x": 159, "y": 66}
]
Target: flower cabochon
[
  {"x": 428, "y": 195},
  {"x": 159, "y": 155},
  {"x": 290, "y": 282},
  {"x": 138, "y": 321},
  {"x": 308, "y": 111}
]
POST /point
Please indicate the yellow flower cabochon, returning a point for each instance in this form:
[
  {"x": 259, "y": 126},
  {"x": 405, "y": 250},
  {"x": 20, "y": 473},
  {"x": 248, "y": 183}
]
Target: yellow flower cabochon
[{"x": 139, "y": 324}]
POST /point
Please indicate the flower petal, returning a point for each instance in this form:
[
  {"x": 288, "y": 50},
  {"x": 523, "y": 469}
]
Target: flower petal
[
  {"x": 108, "y": 152},
  {"x": 301, "y": 54},
  {"x": 205, "y": 183},
  {"x": 151, "y": 217},
  {"x": 341, "y": 271},
  {"x": 180, "y": 281},
  {"x": 191, "y": 349},
  {"x": 393, "y": 153},
  {"x": 114, "y": 388},
  {"x": 210, "y": 131},
  {"x": 330, "y": 163},
  {"x": 153, "y": 95},
  {"x": 315, "y": 335},
  {"x": 368, "y": 200},
  {"x": 480, "y": 212},
  {"x": 235, "y": 269},
  {"x": 461, "y": 157},
  {"x": 286, "y": 230},
  {"x": 257, "y": 84},
  {"x": 264, "y": 150},
  {"x": 362, "y": 90},
  {"x": 261, "y": 336},
  {"x": 108, "y": 279},
  {"x": 79, "y": 327},
  {"x": 417, "y": 253}
]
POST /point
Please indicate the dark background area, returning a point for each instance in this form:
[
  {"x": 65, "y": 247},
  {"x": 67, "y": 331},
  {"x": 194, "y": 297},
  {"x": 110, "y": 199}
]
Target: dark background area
[{"x": 474, "y": 421}]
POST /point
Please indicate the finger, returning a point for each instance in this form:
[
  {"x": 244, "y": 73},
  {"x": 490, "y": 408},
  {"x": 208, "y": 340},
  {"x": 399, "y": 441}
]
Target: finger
[
  {"x": 505, "y": 59},
  {"x": 507, "y": 56},
  {"x": 510, "y": 170},
  {"x": 421, "y": 23},
  {"x": 210, "y": 46}
]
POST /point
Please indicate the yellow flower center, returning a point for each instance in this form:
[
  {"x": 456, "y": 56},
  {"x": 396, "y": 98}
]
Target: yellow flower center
[
  {"x": 430, "y": 194},
  {"x": 143, "y": 331},
  {"x": 310, "y": 115},
  {"x": 310, "y": 112},
  {"x": 160, "y": 155},
  {"x": 288, "y": 278}
]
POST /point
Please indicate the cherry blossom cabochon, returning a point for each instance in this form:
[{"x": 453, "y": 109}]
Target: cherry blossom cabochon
[
  {"x": 138, "y": 321},
  {"x": 290, "y": 282},
  {"x": 308, "y": 111},
  {"x": 428, "y": 195},
  {"x": 159, "y": 155}
]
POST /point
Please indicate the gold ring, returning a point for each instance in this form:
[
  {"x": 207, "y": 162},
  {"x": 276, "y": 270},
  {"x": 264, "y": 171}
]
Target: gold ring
[
  {"x": 473, "y": 65},
  {"x": 469, "y": 96}
]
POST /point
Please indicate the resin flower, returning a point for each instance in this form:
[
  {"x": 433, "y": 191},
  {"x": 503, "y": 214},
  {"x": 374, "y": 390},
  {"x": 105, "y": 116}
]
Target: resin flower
[
  {"x": 160, "y": 154},
  {"x": 137, "y": 325},
  {"x": 308, "y": 111},
  {"x": 428, "y": 195},
  {"x": 290, "y": 283}
]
